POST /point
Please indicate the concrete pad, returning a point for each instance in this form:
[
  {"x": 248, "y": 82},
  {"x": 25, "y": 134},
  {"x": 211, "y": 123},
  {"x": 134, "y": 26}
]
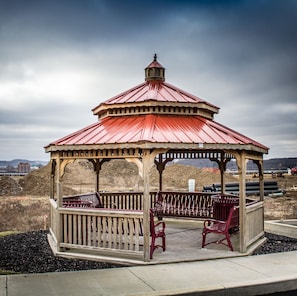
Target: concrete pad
[
  {"x": 270, "y": 265},
  {"x": 194, "y": 276},
  {"x": 115, "y": 281},
  {"x": 262, "y": 286},
  {"x": 253, "y": 275},
  {"x": 282, "y": 227},
  {"x": 2, "y": 285}
]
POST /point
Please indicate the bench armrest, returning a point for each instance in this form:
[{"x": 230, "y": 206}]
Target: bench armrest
[{"x": 210, "y": 221}]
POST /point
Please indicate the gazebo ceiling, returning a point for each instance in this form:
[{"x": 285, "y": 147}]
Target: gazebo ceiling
[{"x": 156, "y": 114}]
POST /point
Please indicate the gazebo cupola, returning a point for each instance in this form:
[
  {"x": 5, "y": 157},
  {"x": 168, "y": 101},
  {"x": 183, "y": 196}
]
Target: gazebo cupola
[
  {"x": 155, "y": 96},
  {"x": 155, "y": 71}
]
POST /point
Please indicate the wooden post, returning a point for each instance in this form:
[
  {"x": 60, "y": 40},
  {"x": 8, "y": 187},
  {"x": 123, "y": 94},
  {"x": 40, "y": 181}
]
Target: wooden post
[
  {"x": 222, "y": 180},
  {"x": 97, "y": 165},
  {"x": 147, "y": 164},
  {"x": 222, "y": 163},
  {"x": 97, "y": 169},
  {"x": 160, "y": 164},
  {"x": 241, "y": 163},
  {"x": 222, "y": 166},
  {"x": 259, "y": 163},
  {"x": 60, "y": 204},
  {"x": 59, "y": 183},
  {"x": 261, "y": 179},
  {"x": 52, "y": 181}
]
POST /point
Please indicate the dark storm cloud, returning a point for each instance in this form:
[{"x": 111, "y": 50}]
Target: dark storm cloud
[{"x": 59, "y": 59}]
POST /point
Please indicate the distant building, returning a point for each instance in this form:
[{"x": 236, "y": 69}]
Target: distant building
[{"x": 24, "y": 167}]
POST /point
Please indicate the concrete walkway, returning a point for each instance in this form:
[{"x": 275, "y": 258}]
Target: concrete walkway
[{"x": 252, "y": 275}]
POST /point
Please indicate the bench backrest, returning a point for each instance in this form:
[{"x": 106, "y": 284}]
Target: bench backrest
[
  {"x": 198, "y": 204},
  {"x": 233, "y": 218},
  {"x": 222, "y": 206},
  {"x": 77, "y": 203},
  {"x": 93, "y": 198}
]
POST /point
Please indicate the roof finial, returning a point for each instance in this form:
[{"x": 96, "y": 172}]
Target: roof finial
[{"x": 155, "y": 57}]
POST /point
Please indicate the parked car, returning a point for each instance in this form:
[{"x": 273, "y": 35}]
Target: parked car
[{"x": 294, "y": 171}]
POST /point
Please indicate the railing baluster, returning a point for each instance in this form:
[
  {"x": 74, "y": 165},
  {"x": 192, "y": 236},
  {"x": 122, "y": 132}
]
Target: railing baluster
[
  {"x": 70, "y": 229},
  {"x": 104, "y": 232},
  {"x": 65, "y": 237},
  {"x": 89, "y": 229},
  {"x": 75, "y": 229},
  {"x": 125, "y": 234},
  {"x": 79, "y": 230},
  {"x": 84, "y": 230}
]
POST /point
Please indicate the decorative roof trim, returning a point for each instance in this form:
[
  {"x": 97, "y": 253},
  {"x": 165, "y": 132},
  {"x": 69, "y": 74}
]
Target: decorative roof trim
[
  {"x": 81, "y": 149},
  {"x": 150, "y": 107}
]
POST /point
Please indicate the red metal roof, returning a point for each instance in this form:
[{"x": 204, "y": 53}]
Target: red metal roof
[
  {"x": 155, "y": 91},
  {"x": 156, "y": 129},
  {"x": 135, "y": 126}
]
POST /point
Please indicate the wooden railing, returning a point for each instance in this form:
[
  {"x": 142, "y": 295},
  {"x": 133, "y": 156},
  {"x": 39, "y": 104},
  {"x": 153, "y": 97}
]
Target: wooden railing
[
  {"x": 106, "y": 231},
  {"x": 134, "y": 200},
  {"x": 116, "y": 230},
  {"x": 255, "y": 222},
  {"x": 125, "y": 200}
]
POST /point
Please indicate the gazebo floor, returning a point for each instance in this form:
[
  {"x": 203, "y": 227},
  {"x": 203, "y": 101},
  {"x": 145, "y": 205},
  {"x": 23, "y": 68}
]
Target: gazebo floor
[
  {"x": 183, "y": 244},
  {"x": 184, "y": 240}
]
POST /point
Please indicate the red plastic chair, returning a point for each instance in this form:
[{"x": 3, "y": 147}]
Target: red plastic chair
[
  {"x": 157, "y": 231},
  {"x": 222, "y": 228}
]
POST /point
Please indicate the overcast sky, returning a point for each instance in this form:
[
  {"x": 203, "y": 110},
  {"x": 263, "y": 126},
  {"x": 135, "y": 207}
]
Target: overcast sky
[{"x": 59, "y": 59}]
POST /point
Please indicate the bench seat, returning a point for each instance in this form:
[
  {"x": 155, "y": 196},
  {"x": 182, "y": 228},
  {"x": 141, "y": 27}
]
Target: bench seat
[{"x": 222, "y": 228}]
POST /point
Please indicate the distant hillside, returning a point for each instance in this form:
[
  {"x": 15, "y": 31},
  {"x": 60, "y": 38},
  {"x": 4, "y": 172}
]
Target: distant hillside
[
  {"x": 15, "y": 162},
  {"x": 269, "y": 164},
  {"x": 280, "y": 163}
]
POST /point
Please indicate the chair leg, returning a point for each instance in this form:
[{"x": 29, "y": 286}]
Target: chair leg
[
  {"x": 203, "y": 239},
  {"x": 229, "y": 241},
  {"x": 163, "y": 243}
]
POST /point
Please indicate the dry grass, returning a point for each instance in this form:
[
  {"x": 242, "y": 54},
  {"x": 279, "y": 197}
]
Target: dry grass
[
  {"x": 24, "y": 204},
  {"x": 24, "y": 213}
]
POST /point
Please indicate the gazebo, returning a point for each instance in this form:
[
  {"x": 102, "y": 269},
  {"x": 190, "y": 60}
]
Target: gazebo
[{"x": 150, "y": 124}]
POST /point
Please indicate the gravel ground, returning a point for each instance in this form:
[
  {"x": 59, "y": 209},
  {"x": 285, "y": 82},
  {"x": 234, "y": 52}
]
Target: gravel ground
[
  {"x": 30, "y": 253},
  {"x": 276, "y": 244}
]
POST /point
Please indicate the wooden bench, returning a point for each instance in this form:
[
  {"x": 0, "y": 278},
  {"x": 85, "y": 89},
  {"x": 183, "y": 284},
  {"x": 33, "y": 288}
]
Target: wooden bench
[
  {"x": 90, "y": 200},
  {"x": 220, "y": 227},
  {"x": 191, "y": 204},
  {"x": 77, "y": 203}
]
